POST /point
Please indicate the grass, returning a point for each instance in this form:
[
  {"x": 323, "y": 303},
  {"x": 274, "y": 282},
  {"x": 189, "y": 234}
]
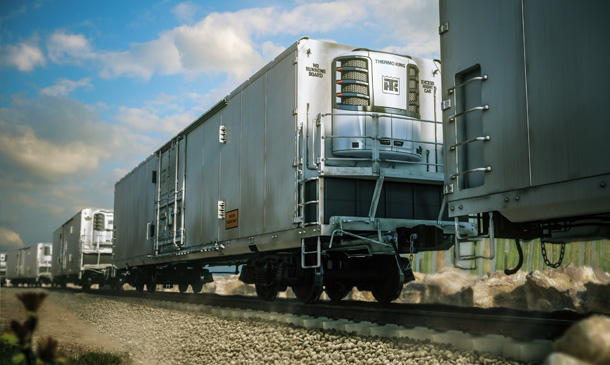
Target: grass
[{"x": 73, "y": 355}]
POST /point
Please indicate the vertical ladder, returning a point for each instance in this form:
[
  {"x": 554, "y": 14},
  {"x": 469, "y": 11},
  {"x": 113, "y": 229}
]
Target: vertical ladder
[
  {"x": 307, "y": 252},
  {"x": 454, "y": 119}
]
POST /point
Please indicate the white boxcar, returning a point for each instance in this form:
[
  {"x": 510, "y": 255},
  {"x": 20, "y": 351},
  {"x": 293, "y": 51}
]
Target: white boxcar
[
  {"x": 524, "y": 109},
  {"x": 82, "y": 248},
  {"x": 315, "y": 167},
  {"x": 2, "y": 269},
  {"x": 29, "y": 265}
]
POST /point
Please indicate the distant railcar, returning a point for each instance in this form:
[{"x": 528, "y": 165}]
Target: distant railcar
[
  {"x": 82, "y": 249},
  {"x": 322, "y": 171},
  {"x": 29, "y": 265},
  {"x": 526, "y": 128},
  {"x": 2, "y": 269}
]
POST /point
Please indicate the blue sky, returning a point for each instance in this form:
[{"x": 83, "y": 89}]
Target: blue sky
[{"x": 88, "y": 89}]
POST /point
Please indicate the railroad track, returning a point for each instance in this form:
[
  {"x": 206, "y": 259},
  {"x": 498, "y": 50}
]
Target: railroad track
[{"x": 517, "y": 324}]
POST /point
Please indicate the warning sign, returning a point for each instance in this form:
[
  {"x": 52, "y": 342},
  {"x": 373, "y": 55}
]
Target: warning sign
[{"x": 231, "y": 219}]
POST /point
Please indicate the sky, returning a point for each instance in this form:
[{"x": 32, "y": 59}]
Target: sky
[{"x": 89, "y": 89}]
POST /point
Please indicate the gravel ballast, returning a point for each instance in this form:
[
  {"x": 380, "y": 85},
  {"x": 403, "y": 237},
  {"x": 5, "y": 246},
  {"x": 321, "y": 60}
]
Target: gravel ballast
[{"x": 153, "y": 335}]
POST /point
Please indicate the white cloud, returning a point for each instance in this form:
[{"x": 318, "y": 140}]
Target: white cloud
[
  {"x": 237, "y": 43},
  {"x": 25, "y": 56},
  {"x": 64, "y": 87},
  {"x": 271, "y": 50},
  {"x": 9, "y": 240},
  {"x": 186, "y": 11},
  {"x": 46, "y": 158},
  {"x": 69, "y": 48},
  {"x": 142, "y": 120},
  {"x": 49, "y": 139}
]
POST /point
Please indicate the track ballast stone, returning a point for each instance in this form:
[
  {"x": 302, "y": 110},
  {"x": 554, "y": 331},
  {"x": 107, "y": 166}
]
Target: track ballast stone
[{"x": 153, "y": 335}]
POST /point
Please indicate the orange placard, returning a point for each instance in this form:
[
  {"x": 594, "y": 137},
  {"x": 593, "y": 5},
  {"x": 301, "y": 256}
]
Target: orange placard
[{"x": 231, "y": 220}]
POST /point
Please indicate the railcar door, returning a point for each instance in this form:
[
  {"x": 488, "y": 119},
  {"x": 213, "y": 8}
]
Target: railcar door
[{"x": 169, "y": 205}]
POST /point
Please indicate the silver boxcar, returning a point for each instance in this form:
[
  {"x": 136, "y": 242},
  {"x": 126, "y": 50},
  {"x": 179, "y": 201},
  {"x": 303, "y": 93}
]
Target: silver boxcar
[
  {"x": 2, "y": 269},
  {"x": 82, "y": 248},
  {"x": 29, "y": 265},
  {"x": 327, "y": 163},
  {"x": 526, "y": 128}
]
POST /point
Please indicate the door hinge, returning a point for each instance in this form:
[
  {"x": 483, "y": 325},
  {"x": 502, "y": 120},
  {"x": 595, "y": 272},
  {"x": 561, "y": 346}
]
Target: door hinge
[
  {"x": 222, "y": 134},
  {"x": 221, "y": 209},
  {"x": 444, "y": 28},
  {"x": 446, "y": 104},
  {"x": 448, "y": 189}
]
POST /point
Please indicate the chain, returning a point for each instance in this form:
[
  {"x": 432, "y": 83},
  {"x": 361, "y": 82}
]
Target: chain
[
  {"x": 412, "y": 239},
  {"x": 546, "y": 260}
]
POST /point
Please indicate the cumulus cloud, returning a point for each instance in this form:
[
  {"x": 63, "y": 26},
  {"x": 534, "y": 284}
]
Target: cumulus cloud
[
  {"x": 410, "y": 26},
  {"x": 69, "y": 48},
  {"x": 51, "y": 138},
  {"x": 237, "y": 42},
  {"x": 44, "y": 158},
  {"x": 64, "y": 87},
  {"x": 9, "y": 240},
  {"x": 25, "y": 56},
  {"x": 186, "y": 11}
]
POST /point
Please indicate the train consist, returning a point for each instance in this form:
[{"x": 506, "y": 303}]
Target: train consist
[
  {"x": 525, "y": 127},
  {"x": 29, "y": 265},
  {"x": 330, "y": 167},
  {"x": 318, "y": 173}
]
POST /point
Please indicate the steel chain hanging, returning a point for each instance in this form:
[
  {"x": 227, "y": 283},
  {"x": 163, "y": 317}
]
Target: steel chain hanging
[{"x": 546, "y": 260}]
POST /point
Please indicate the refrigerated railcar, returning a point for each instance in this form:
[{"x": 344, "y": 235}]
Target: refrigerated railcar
[
  {"x": 322, "y": 171},
  {"x": 29, "y": 265},
  {"x": 526, "y": 128},
  {"x": 2, "y": 269},
  {"x": 82, "y": 249}
]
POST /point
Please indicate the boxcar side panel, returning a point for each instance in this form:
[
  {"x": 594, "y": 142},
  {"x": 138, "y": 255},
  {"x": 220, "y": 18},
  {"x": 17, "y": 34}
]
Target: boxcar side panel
[
  {"x": 229, "y": 176},
  {"x": 253, "y": 168},
  {"x": 281, "y": 185},
  {"x": 210, "y": 164},
  {"x": 568, "y": 126}
]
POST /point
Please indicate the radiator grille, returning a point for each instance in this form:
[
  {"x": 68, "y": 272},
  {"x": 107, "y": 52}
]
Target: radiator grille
[
  {"x": 355, "y": 101},
  {"x": 355, "y": 75},
  {"x": 413, "y": 91},
  {"x": 355, "y": 63},
  {"x": 355, "y": 88},
  {"x": 352, "y": 77}
]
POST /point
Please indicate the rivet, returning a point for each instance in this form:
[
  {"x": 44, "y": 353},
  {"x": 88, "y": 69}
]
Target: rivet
[
  {"x": 602, "y": 184},
  {"x": 452, "y": 208},
  {"x": 460, "y": 206},
  {"x": 517, "y": 197},
  {"x": 506, "y": 200}
]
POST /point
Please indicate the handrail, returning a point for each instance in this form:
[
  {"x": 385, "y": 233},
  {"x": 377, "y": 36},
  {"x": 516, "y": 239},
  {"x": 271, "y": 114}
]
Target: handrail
[
  {"x": 482, "y": 78},
  {"x": 479, "y": 169},
  {"x": 483, "y": 108},
  {"x": 384, "y": 138},
  {"x": 316, "y": 163},
  {"x": 482, "y": 139},
  {"x": 377, "y": 115}
]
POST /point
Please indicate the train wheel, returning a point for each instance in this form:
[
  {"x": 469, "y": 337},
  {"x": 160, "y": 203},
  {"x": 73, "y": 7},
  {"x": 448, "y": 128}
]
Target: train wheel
[
  {"x": 183, "y": 288},
  {"x": 87, "y": 283},
  {"x": 197, "y": 287},
  {"x": 151, "y": 283},
  {"x": 389, "y": 282},
  {"x": 310, "y": 289},
  {"x": 267, "y": 292},
  {"x": 337, "y": 291}
]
